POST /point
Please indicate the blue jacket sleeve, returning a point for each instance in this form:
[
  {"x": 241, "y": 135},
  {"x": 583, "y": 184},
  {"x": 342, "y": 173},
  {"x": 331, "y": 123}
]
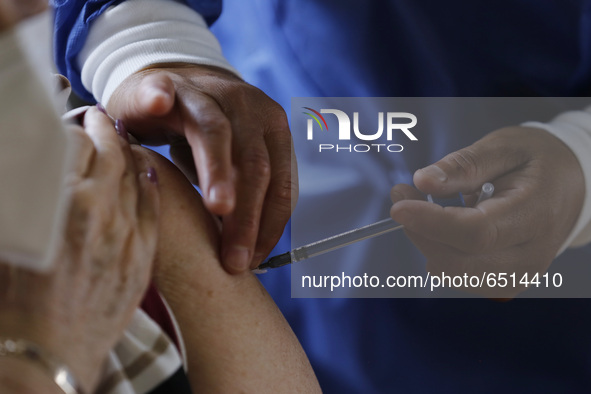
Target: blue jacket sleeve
[{"x": 72, "y": 23}]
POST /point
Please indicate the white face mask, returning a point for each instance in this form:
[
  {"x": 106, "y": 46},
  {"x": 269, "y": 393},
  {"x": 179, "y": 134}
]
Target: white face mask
[
  {"x": 32, "y": 146},
  {"x": 34, "y": 36}
]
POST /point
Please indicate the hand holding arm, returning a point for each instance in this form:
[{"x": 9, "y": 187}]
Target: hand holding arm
[
  {"x": 102, "y": 262},
  {"x": 238, "y": 140}
]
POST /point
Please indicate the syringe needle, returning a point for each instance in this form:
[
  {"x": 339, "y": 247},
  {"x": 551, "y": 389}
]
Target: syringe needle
[
  {"x": 332, "y": 243},
  {"x": 359, "y": 234}
]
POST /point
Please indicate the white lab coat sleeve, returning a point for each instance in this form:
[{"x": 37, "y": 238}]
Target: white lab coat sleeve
[
  {"x": 574, "y": 129},
  {"x": 138, "y": 33}
]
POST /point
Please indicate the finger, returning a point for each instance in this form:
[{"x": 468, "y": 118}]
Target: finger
[
  {"x": 282, "y": 193},
  {"x": 240, "y": 228},
  {"x": 146, "y": 103},
  {"x": 128, "y": 188},
  {"x": 181, "y": 155},
  {"x": 148, "y": 207},
  {"x": 441, "y": 258},
  {"x": 209, "y": 133},
  {"x": 81, "y": 153},
  {"x": 109, "y": 162},
  {"x": 445, "y": 261},
  {"x": 405, "y": 192},
  {"x": 445, "y": 225},
  {"x": 497, "y": 223},
  {"x": 155, "y": 95},
  {"x": 467, "y": 169},
  {"x": 152, "y": 95}
]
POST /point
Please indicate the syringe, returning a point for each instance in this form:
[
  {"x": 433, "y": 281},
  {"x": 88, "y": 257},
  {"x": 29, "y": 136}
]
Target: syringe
[
  {"x": 332, "y": 243},
  {"x": 359, "y": 234}
]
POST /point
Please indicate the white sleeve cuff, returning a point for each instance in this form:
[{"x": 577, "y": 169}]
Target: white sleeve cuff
[
  {"x": 139, "y": 33},
  {"x": 574, "y": 129}
]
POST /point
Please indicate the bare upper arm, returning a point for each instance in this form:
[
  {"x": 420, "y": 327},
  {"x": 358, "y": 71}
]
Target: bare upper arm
[{"x": 236, "y": 337}]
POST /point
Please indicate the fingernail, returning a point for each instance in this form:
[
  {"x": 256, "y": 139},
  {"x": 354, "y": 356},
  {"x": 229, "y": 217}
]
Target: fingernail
[
  {"x": 220, "y": 194},
  {"x": 434, "y": 172},
  {"x": 152, "y": 175},
  {"x": 237, "y": 258},
  {"x": 121, "y": 130},
  {"x": 100, "y": 107}
]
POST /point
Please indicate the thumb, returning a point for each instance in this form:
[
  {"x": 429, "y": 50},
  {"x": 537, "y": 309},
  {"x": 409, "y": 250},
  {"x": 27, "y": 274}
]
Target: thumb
[
  {"x": 143, "y": 97},
  {"x": 155, "y": 95},
  {"x": 467, "y": 169}
]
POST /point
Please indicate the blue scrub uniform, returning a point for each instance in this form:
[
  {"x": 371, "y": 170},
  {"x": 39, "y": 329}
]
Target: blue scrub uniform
[{"x": 333, "y": 48}]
